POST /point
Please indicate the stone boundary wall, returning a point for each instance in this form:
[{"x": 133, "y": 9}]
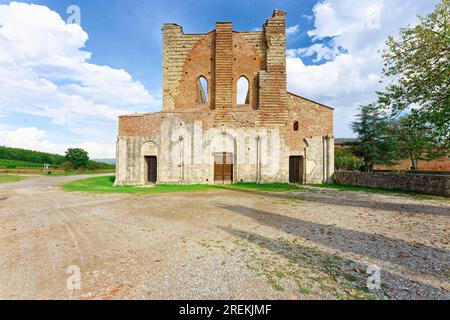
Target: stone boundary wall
[{"x": 420, "y": 183}]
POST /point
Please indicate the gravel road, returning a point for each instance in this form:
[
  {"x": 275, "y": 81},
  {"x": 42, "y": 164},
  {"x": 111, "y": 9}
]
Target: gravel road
[{"x": 220, "y": 244}]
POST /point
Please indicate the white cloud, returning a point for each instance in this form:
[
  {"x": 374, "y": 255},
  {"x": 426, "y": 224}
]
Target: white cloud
[
  {"x": 37, "y": 139},
  {"x": 45, "y": 72},
  {"x": 346, "y": 70},
  {"x": 29, "y": 138},
  {"x": 292, "y": 30},
  {"x": 321, "y": 51},
  {"x": 98, "y": 150}
]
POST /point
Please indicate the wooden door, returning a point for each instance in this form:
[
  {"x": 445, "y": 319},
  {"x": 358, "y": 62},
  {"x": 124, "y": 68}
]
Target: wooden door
[
  {"x": 223, "y": 167},
  {"x": 294, "y": 169},
  {"x": 152, "y": 168}
]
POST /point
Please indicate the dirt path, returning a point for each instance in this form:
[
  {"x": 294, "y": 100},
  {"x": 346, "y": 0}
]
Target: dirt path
[{"x": 219, "y": 244}]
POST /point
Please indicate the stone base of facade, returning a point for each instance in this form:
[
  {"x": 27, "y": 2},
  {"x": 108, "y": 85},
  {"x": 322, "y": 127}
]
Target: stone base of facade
[{"x": 187, "y": 154}]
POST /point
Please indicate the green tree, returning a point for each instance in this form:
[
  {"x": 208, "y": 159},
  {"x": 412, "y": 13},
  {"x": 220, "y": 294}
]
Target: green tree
[
  {"x": 418, "y": 66},
  {"x": 78, "y": 157},
  {"x": 377, "y": 143},
  {"x": 416, "y": 139}
]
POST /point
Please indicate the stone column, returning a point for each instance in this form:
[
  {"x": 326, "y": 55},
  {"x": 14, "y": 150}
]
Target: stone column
[
  {"x": 121, "y": 161},
  {"x": 330, "y": 158},
  {"x": 258, "y": 159},
  {"x": 324, "y": 159}
]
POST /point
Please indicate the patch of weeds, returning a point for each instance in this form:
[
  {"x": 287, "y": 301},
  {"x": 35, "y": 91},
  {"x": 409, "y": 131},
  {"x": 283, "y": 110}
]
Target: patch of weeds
[
  {"x": 204, "y": 244},
  {"x": 350, "y": 277},
  {"x": 290, "y": 201},
  {"x": 362, "y": 289},
  {"x": 280, "y": 274},
  {"x": 358, "y": 296},
  {"x": 331, "y": 265},
  {"x": 430, "y": 197},
  {"x": 274, "y": 283},
  {"x": 304, "y": 291},
  {"x": 252, "y": 268},
  {"x": 10, "y": 178}
]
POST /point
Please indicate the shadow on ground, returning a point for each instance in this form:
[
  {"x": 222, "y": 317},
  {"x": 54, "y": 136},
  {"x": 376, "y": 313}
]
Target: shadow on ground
[
  {"x": 420, "y": 259},
  {"x": 341, "y": 271},
  {"x": 329, "y": 197}
]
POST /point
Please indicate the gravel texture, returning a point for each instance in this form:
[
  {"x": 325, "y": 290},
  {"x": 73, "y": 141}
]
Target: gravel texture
[{"x": 220, "y": 244}]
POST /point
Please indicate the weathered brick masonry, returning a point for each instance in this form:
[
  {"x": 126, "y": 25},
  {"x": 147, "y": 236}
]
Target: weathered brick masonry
[{"x": 273, "y": 136}]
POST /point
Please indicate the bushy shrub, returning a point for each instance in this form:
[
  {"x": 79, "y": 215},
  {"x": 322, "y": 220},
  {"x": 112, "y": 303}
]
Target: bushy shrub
[
  {"x": 349, "y": 162},
  {"x": 344, "y": 159},
  {"x": 67, "y": 166},
  {"x": 93, "y": 165}
]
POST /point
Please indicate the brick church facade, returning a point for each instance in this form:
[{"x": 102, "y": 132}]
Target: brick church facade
[{"x": 227, "y": 116}]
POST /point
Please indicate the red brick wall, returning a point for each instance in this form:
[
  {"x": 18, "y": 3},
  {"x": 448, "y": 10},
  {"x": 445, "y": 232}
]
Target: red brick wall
[
  {"x": 436, "y": 164},
  {"x": 222, "y": 57},
  {"x": 314, "y": 119}
]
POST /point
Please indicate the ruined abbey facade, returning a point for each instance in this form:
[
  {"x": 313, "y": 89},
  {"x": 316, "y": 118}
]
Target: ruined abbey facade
[{"x": 227, "y": 116}]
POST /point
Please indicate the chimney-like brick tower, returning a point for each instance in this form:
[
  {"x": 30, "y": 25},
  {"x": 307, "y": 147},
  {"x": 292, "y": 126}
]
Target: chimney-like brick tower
[
  {"x": 223, "y": 68},
  {"x": 272, "y": 81},
  {"x": 172, "y": 49}
]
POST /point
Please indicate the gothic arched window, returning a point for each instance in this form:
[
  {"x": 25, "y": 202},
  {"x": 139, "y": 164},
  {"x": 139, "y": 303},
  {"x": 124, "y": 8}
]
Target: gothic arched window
[
  {"x": 243, "y": 92},
  {"x": 202, "y": 90}
]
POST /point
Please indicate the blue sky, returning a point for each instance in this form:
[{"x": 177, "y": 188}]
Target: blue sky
[
  {"x": 127, "y": 34},
  {"x": 64, "y": 85}
]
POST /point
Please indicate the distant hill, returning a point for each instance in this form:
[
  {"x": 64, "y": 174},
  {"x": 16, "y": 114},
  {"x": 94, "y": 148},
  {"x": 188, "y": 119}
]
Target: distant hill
[
  {"x": 107, "y": 161},
  {"x": 10, "y": 157},
  {"x": 18, "y": 154}
]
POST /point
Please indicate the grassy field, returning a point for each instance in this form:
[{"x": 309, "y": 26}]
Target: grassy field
[
  {"x": 378, "y": 190},
  {"x": 16, "y": 167},
  {"x": 16, "y": 163},
  {"x": 353, "y": 188},
  {"x": 10, "y": 178},
  {"x": 104, "y": 184},
  {"x": 74, "y": 173}
]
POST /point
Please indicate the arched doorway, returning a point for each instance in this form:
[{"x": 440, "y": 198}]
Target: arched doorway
[{"x": 223, "y": 150}]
